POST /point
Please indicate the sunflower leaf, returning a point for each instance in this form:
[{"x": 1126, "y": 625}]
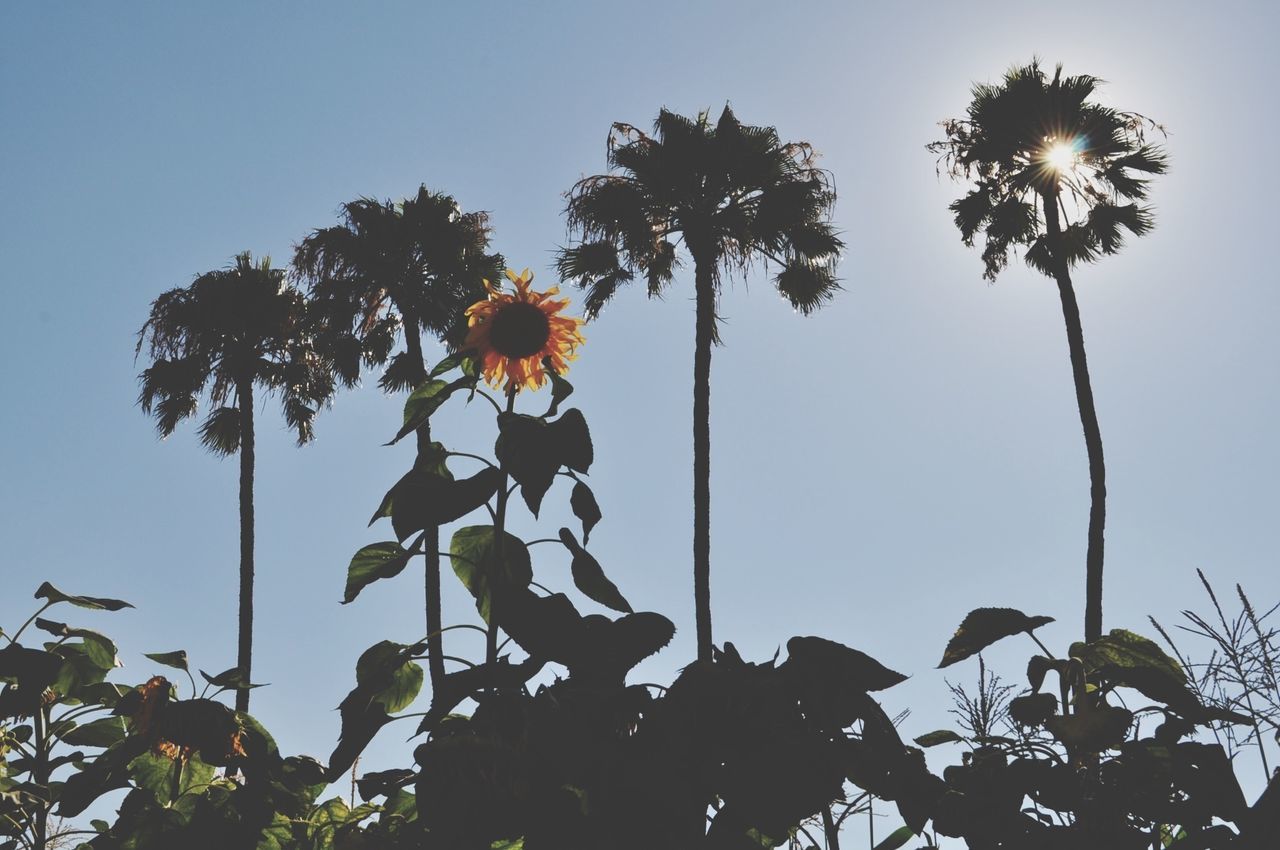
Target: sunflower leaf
[
  {"x": 589, "y": 577},
  {"x": 583, "y": 503}
]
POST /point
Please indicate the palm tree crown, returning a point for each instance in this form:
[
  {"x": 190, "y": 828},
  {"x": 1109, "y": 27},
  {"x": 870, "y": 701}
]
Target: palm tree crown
[
  {"x": 733, "y": 193},
  {"x": 1029, "y": 138},
  {"x": 416, "y": 264},
  {"x": 234, "y": 325}
]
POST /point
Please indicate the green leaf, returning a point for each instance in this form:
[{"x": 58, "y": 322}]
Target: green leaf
[
  {"x": 589, "y": 578},
  {"x": 102, "y": 732},
  {"x": 81, "y": 668},
  {"x": 1131, "y": 660},
  {"x": 897, "y": 838},
  {"x": 426, "y": 400},
  {"x": 155, "y": 773},
  {"x": 477, "y": 563},
  {"x": 95, "y": 603},
  {"x": 387, "y": 675},
  {"x": 373, "y": 562},
  {"x": 983, "y": 627},
  {"x": 941, "y": 736},
  {"x": 101, "y": 649},
  {"x": 453, "y": 361},
  {"x": 583, "y": 503},
  {"x": 176, "y": 659}
]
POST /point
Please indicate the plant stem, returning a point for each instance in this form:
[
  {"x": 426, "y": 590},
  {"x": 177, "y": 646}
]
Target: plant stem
[{"x": 499, "y": 530}]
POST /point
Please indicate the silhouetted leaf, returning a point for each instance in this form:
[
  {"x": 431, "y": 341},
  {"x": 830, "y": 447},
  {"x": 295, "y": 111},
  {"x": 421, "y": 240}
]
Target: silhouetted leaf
[
  {"x": 383, "y": 782},
  {"x": 1033, "y": 709},
  {"x": 983, "y": 627},
  {"x": 572, "y": 440},
  {"x": 458, "y": 686},
  {"x": 897, "y": 838},
  {"x": 839, "y": 662},
  {"x": 941, "y": 736},
  {"x": 560, "y": 388},
  {"x": 421, "y": 499},
  {"x": 1102, "y": 728},
  {"x": 95, "y": 603},
  {"x": 32, "y": 671},
  {"x": 583, "y": 503},
  {"x": 589, "y": 578},
  {"x": 526, "y": 449},
  {"x": 176, "y": 659},
  {"x": 232, "y": 678},
  {"x": 477, "y": 563},
  {"x": 373, "y": 562}
]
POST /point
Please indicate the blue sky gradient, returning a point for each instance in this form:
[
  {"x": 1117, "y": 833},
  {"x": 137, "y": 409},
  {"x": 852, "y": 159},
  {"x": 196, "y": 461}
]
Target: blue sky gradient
[{"x": 909, "y": 453}]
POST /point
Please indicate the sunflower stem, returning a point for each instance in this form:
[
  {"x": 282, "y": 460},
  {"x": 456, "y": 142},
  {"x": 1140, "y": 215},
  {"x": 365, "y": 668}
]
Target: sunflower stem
[{"x": 499, "y": 524}]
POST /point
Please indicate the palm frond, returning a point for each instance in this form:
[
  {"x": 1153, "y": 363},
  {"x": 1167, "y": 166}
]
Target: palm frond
[{"x": 220, "y": 431}]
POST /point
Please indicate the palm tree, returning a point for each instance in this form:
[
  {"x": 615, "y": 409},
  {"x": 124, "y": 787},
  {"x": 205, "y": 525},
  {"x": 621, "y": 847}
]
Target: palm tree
[
  {"x": 730, "y": 193},
  {"x": 416, "y": 266},
  {"x": 229, "y": 331},
  {"x": 1055, "y": 173}
]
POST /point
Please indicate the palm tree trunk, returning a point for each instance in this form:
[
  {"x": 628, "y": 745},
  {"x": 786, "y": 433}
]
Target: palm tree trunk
[
  {"x": 435, "y": 641},
  {"x": 1089, "y": 421},
  {"x": 244, "y": 648},
  {"x": 704, "y": 337}
]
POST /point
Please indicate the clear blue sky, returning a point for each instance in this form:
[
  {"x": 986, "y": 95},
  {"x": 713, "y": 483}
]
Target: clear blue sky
[{"x": 911, "y": 452}]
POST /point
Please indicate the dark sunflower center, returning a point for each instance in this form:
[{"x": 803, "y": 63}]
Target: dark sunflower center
[{"x": 519, "y": 330}]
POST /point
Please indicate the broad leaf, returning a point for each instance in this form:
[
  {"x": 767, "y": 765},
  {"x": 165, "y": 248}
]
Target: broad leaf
[
  {"x": 176, "y": 659},
  {"x": 589, "y": 578},
  {"x": 232, "y": 679},
  {"x": 941, "y": 736},
  {"x": 95, "y": 603},
  {"x": 101, "y": 649},
  {"x": 426, "y": 400},
  {"x": 478, "y": 563},
  {"x": 983, "y": 627},
  {"x": 102, "y": 732},
  {"x": 373, "y": 562},
  {"x": 583, "y": 503},
  {"x": 560, "y": 388},
  {"x": 422, "y": 499}
]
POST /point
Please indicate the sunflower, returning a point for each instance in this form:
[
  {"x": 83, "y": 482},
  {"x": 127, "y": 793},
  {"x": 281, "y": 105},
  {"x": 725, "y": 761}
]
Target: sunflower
[{"x": 513, "y": 334}]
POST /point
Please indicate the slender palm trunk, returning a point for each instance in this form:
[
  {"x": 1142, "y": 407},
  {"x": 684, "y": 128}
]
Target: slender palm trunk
[
  {"x": 244, "y": 648},
  {"x": 1089, "y": 421},
  {"x": 435, "y": 641},
  {"x": 704, "y": 337}
]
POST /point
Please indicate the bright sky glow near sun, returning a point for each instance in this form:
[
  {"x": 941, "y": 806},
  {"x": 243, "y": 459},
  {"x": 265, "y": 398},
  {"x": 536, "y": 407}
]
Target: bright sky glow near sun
[{"x": 908, "y": 453}]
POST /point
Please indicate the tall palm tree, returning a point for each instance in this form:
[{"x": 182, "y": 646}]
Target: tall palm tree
[
  {"x": 726, "y": 194},
  {"x": 415, "y": 266},
  {"x": 228, "y": 332},
  {"x": 1061, "y": 176}
]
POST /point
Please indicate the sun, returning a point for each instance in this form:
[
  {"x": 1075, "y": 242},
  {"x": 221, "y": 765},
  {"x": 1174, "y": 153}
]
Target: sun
[{"x": 1061, "y": 156}]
